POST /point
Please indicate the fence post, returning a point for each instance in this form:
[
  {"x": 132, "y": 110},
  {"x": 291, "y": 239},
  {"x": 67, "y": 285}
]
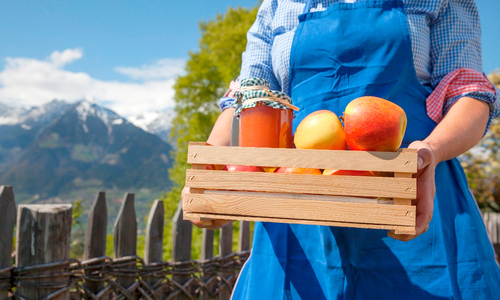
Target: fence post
[
  {"x": 7, "y": 223},
  {"x": 125, "y": 238},
  {"x": 95, "y": 241},
  {"x": 207, "y": 252},
  {"x": 244, "y": 238},
  {"x": 225, "y": 248},
  {"x": 153, "y": 251},
  {"x": 43, "y": 237},
  {"x": 492, "y": 223},
  {"x": 181, "y": 246},
  {"x": 207, "y": 244}
]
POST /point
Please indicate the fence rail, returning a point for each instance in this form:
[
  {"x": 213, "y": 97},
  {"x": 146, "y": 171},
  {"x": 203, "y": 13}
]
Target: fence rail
[{"x": 44, "y": 270}]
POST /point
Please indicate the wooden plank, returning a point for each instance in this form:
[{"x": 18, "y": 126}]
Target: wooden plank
[
  {"x": 7, "y": 223},
  {"x": 197, "y": 190},
  {"x": 207, "y": 252},
  {"x": 225, "y": 248},
  {"x": 492, "y": 223},
  {"x": 97, "y": 223},
  {"x": 207, "y": 244},
  {"x": 302, "y": 158},
  {"x": 305, "y": 197},
  {"x": 362, "y": 186},
  {"x": 396, "y": 228},
  {"x": 402, "y": 201},
  {"x": 95, "y": 238},
  {"x": 244, "y": 237},
  {"x": 226, "y": 240},
  {"x": 125, "y": 236},
  {"x": 283, "y": 208},
  {"x": 153, "y": 251},
  {"x": 43, "y": 237},
  {"x": 182, "y": 233}
]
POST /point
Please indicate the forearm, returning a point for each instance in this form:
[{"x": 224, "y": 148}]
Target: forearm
[
  {"x": 221, "y": 132},
  {"x": 461, "y": 129}
]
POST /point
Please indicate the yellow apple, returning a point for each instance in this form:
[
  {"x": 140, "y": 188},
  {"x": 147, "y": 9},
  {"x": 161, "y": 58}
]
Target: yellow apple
[
  {"x": 349, "y": 172},
  {"x": 320, "y": 130},
  {"x": 298, "y": 171}
]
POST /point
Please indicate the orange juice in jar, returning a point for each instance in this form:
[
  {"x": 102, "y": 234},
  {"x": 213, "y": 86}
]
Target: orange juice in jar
[{"x": 265, "y": 116}]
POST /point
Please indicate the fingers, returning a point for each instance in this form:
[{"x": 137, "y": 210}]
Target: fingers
[
  {"x": 426, "y": 190},
  {"x": 208, "y": 224},
  {"x": 211, "y": 224},
  {"x": 425, "y": 154}
]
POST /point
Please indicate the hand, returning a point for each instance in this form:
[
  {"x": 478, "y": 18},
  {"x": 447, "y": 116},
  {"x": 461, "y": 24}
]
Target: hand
[
  {"x": 208, "y": 224},
  {"x": 426, "y": 189}
]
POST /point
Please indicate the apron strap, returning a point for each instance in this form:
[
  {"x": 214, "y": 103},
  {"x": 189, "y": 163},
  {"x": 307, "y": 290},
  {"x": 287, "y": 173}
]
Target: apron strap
[{"x": 307, "y": 7}]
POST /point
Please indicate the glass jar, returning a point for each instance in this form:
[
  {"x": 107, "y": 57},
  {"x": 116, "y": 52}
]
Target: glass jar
[
  {"x": 265, "y": 126},
  {"x": 265, "y": 116}
]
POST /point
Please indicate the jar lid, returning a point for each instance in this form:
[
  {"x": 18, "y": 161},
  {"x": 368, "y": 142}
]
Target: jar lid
[
  {"x": 252, "y": 84},
  {"x": 256, "y": 90}
]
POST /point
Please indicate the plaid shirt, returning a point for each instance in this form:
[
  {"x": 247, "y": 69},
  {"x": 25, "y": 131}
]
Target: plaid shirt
[{"x": 446, "y": 45}]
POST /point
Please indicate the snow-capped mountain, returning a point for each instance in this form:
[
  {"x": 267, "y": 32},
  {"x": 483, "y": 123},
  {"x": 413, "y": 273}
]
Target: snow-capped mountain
[
  {"x": 11, "y": 115},
  {"x": 155, "y": 122},
  {"x": 59, "y": 147}
]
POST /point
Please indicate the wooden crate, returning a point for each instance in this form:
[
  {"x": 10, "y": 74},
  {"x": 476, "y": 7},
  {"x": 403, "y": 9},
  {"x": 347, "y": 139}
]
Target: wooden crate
[{"x": 347, "y": 201}]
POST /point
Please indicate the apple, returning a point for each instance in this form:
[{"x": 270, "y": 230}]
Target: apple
[
  {"x": 214, "y": 167},
  {"x": 269, "y": 169},
  {"x": 349, "y": 172},
  {"x": 298, "y": 171},
  {"x": 374, "y": 124},
  {"x": 320, "y": 130},
  {"x": 242, "y": 168}
]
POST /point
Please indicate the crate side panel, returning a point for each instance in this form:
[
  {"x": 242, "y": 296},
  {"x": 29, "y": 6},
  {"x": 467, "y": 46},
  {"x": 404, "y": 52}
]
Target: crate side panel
[
  {"x": 301, "y": 209},
  {"x": 402, "y": 161},
  {"x": 358, "y": 186}
]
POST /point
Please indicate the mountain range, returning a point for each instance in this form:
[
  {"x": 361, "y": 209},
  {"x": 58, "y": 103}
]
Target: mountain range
[{"x": 59, "y": 147}]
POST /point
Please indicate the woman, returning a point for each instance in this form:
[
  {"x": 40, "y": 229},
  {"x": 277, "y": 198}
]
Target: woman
[{"x": 424, "y": 55}]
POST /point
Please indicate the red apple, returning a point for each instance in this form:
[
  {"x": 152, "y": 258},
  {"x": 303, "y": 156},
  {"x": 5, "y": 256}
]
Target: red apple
[
  {"x": 320, "y": 130},
  {"x": 242, "y": 168},
  {"x": 349, "y": 172},
  {"x": 298, "y": 171},
  {"x": 374, "y": 124}
]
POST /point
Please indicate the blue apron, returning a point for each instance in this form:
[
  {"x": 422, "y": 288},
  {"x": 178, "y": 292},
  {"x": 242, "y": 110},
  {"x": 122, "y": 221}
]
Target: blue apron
[{"x": 348, "y": 51}]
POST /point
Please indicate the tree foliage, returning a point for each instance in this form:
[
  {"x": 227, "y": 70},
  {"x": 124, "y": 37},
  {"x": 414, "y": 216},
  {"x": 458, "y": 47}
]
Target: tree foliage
[
  {"x": 482, "y": 163},
  {"x": 208, "y": 73}
]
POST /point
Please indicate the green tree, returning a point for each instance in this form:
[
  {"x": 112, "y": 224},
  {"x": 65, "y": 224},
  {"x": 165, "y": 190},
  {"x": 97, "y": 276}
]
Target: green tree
[
  {"x": 494, "y": 77},
  {"x": 482, "y": 163},
  {"x": 208, "y": 73}
]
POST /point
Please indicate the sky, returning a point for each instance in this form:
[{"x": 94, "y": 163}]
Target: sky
[{"x": 123, "y": 54}]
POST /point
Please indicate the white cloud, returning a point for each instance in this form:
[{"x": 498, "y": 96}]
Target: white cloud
[
  {"x": 31, "y": 82},
  {"x": 163, "y": 69},
  {"x": 67, "y": 56}
]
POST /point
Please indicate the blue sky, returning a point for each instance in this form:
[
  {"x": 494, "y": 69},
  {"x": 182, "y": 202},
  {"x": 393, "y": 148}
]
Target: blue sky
[{"x": 123, "y": 49}]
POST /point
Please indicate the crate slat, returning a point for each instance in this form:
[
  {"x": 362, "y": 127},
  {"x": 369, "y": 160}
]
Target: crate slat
[
  {"x": 397, "y": 228},
  {"x": 361, "y": 186},
  {"x": 305, "y": 209},
  {"x": 402, "y": 161}
]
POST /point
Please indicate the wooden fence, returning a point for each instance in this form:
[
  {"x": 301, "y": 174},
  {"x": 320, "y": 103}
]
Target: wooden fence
[{"x": 43, "y": 268}]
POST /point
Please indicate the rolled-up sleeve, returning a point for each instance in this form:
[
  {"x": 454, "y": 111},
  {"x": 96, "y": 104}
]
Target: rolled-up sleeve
[{"x": 456, "y": 60}]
